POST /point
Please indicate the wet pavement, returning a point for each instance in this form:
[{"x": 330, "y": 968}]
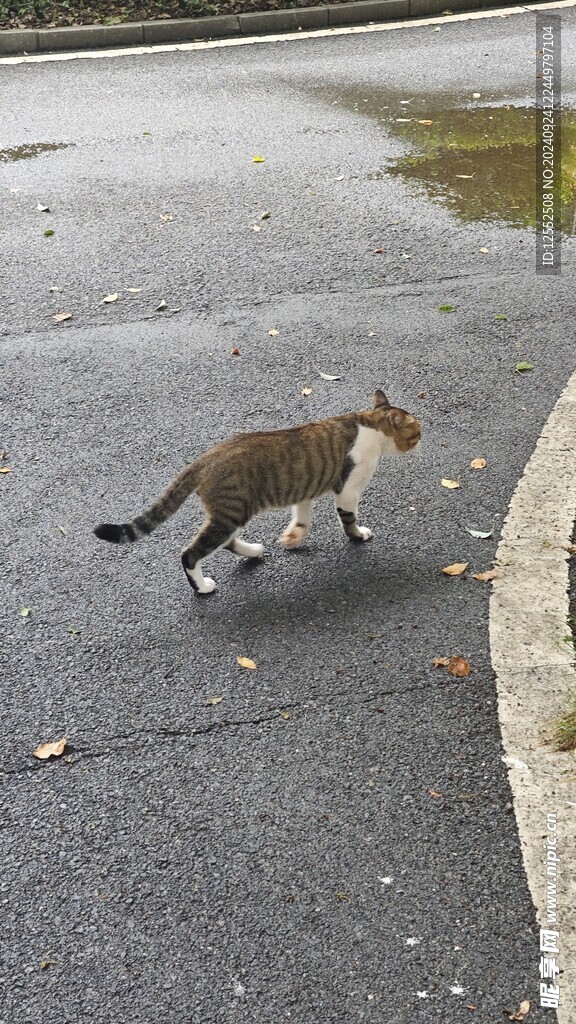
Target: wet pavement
[{"x": 333, "y": 841}]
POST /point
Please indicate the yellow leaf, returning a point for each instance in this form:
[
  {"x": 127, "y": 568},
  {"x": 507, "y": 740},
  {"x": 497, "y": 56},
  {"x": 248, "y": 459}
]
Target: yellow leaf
[
  {"x": 452, "y": 485},
  {"x": 456, "y": 569},
  {"x": 437, "y": 662},
  {"x": 5, "y": 469},
  {"x": 59, "y": 317},
  {"x": 245, "y": 662},
  {"x": 285, "y": 715},
  {"x": 484, "y": 249},
  {"x": 214, "y": 700},
  {"x": 343, "y": 896},
  {"x": 46, "y": 750},
  {"x": 258, "y": 159},
  {"x": 492, "y": 574},
  {"x": 478, "y": 464}
]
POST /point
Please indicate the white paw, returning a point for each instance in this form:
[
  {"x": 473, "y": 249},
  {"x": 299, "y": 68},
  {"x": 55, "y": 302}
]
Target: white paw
[
  {"x": 207, "y": 586},
  {"x": 292, "y": 536},
  {"x": 256, "y": 550},
  {"x": 365, "y": 533}
]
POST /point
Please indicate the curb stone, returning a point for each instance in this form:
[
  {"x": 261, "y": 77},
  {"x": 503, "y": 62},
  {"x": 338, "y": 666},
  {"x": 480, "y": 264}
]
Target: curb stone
[
  {"x": 535, "y": 673},
  {"x": 222, "y": 26}
]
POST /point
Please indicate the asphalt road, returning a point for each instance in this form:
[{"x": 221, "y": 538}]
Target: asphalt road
[{"x": 356, "y": 860}]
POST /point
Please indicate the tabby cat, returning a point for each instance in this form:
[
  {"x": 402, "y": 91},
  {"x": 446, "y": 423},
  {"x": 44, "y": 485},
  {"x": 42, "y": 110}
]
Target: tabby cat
[{"x": 249, "y": 473}]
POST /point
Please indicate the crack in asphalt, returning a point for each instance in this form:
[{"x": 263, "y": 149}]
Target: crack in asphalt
[{"x": 272, "y": 715}]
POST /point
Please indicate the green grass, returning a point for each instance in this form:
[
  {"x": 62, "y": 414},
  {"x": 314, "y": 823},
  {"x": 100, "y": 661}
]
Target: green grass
[{"x": 565, "y": 729}]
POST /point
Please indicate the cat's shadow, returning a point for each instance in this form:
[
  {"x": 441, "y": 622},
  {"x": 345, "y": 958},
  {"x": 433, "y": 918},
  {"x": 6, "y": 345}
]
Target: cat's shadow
[{"x": 260, "y": 591}]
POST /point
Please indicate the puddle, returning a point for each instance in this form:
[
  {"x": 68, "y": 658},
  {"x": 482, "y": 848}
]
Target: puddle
[
  {"x": 30, "y": 150},
  {"x": 479, "y": 161}
]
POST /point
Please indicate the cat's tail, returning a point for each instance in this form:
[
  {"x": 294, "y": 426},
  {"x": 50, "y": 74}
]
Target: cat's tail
[{"x": 167, "y": 504}]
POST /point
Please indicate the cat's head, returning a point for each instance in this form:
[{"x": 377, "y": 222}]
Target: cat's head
[{"x": 401, "y": 429}]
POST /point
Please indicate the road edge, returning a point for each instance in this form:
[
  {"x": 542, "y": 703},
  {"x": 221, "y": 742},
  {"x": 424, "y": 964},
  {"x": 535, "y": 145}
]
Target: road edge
[
  {"x": 330, "y": 16},
  {"x": 535, "y": 672}
]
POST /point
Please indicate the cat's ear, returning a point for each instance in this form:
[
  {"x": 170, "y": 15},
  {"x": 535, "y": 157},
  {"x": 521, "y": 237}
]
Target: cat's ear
[{"x": 380, "y": 401}]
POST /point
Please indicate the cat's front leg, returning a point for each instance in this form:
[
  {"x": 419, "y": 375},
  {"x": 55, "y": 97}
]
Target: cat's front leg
[
  {"x": 299, "y": 525},
  {"x": 347, "y": 509}
]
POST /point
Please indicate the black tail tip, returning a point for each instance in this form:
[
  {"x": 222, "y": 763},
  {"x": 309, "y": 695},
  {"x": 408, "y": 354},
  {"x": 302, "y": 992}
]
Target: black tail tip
[{"x": 109, "y": 532}]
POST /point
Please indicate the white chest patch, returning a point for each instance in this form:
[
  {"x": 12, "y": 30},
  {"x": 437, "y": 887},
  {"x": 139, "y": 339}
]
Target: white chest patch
[
  {"x": 365, "y": 453},
  {"x": 370, "y": 445}
]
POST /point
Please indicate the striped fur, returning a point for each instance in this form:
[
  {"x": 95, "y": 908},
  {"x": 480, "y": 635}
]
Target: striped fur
[{"x": 249, "y": 473}]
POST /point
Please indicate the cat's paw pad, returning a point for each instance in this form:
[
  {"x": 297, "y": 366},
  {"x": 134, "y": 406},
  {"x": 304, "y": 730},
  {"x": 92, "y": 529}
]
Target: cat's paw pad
[
  {"x": 207, "y": 587},
  {"x": 292, "y": 537},
  {"x": 365, "y": 533}
]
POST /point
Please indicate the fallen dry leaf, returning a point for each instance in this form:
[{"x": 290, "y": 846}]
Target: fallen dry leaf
[
  {"x": 470, "y": 1006},
  {"x": 285, "y": 715},
  {"x": 306, "y": 391},
  {"x": 425, "y": 121},
  {"x": 214, "y": 700},
  {"x": 5, "y": 469},
  {"x": 59, "y": 317},
  {"x": 491, "y": 574},
  {"x": 258, "y": 159},
  {"x": 343, "y": 896},
  {"x": 459, "y": 667},
  {"x": 478, "y": 464},
  {"x": 46, "y": 750},
  {"x": 452, "y": 485},
  {"x": 484, "y": 249},
  {"x": 245, "y": 662},
  {"x": 133, "y": 291},
  {"x": 479, "y": 534},
  {"x": 434, "y": 793},
  {"x": 456, "y": 569},
  {"x": 522, "y": 1011},
  {"x": 273, "y": 333},
  {"x": 378, "y": 252},
  {"x": 110, "y": 298},
  {"x": 235, "y": 352},
  {"x": 421, "y": 394},
  {"x": 464, "y": 175}
]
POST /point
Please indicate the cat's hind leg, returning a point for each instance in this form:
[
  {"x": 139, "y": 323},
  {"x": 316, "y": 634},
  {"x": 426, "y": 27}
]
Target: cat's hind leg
[
  {"x": 299, "y": 525},
  {"x": 347, "y": 509},
  {"x": 240, "y": 547},
  {"x": 213, "y": 535}
]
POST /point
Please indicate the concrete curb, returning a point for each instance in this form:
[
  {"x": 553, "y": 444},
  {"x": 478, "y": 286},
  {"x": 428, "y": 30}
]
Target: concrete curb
[
  {"x": 535, "y": 673},
  {"x": 92, "y": 37}
]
